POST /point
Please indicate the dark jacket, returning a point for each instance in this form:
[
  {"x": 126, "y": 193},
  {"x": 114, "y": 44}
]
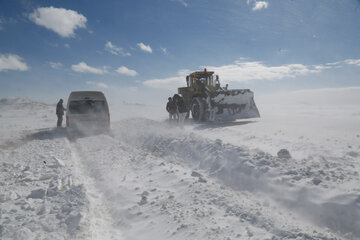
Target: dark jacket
[
  {"x": 181, "y": 105},
  {"x": 60, "y": 109},
  {"x": 171, "y": 107}
]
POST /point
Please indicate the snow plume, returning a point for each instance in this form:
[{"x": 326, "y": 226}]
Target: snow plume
[
  {"x": 126, "y": 71},
  {"x": 111, "y": 48},
  {"x": 60, "y": 20},
  {"x": 145, "y": 48},
  {"x": 258, "y": 5},
  {"x": 84, "y": 68},
  {"x": 12, "y": 62},
  {"x": 97, "y": 84}
]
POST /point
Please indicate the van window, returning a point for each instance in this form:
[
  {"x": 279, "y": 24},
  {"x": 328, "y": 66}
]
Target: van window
[{"x": 87, "y": 106}]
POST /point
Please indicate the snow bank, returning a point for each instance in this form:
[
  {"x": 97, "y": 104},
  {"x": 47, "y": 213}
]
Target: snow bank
[
  {"x": 288, "y": 182},
  {"x": 39, "y": 197}
]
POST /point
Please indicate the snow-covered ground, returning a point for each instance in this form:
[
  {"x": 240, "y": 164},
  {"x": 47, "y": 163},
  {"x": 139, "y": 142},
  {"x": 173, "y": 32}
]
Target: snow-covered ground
[{"x": 148, "y": 179}]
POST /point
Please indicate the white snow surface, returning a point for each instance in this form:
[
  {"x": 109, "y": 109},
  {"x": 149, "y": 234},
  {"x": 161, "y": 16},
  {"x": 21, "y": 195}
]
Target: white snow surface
[{"x": 291, "y": 174}]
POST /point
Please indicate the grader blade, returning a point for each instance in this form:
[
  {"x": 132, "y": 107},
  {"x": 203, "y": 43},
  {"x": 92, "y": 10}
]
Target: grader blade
[{"x": 229, "y": 105}]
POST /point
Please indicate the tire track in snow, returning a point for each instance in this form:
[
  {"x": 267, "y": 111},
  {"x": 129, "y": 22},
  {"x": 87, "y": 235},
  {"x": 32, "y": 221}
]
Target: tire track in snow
[
  {"x": 123, "y": 175},
  {"x": 101, "y": 223}
]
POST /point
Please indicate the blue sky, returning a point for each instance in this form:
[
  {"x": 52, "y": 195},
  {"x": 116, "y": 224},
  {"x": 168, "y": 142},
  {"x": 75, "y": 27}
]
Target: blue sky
[{"x": 142, "y": 49}]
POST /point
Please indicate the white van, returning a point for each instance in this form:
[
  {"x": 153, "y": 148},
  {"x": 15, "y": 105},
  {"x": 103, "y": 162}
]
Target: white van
[{"x": 87, "y": 110}]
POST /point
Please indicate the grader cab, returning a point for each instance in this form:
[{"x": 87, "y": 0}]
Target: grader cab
[{"x": 208, "y": 101}]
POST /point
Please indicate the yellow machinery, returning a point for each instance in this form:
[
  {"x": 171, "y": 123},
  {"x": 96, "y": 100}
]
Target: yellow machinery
[{"x": 208, "y": 101}]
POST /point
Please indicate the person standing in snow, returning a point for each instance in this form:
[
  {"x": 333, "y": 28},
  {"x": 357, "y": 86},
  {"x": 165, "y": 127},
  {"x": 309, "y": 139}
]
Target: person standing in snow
[
  {"x": 172, "y": 109},
  {"x": 182, "y": 109},
  {"x": 60, "y": 112}
]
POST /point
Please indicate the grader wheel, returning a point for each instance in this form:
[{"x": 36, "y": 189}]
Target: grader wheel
[{"x": 197, "y": 109}]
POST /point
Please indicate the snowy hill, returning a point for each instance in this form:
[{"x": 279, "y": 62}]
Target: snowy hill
[{"x": 151, "y": 180}]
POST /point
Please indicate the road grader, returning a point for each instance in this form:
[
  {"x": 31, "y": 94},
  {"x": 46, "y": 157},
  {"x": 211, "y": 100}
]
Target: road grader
[{"x": 208, "y": 101}]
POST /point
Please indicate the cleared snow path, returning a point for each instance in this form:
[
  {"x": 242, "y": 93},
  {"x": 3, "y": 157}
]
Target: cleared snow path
[{"x": 101, "y": 225}]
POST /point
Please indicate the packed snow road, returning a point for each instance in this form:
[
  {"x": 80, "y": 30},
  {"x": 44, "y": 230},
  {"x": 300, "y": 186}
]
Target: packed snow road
[{"x": 150, "y": 180}]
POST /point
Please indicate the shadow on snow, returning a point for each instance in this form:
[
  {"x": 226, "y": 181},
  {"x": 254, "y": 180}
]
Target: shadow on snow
[
  {"x": 47, "y": 133},
  {"x": 54, "y": 133},
  {"x": 209, "y": 125}
]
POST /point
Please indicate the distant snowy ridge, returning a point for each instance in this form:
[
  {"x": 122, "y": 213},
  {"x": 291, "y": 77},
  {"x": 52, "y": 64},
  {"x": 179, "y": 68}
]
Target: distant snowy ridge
[{"x": 20, "y": 101}]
